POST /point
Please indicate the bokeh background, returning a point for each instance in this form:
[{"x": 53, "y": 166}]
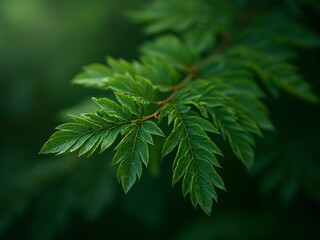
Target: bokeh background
[{"x": 44, "y": 44}]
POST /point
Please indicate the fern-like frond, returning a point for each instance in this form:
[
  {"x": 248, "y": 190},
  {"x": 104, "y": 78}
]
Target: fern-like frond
[
  {"x": 237, "y": 65},
  {"x": 237, "y": 122},
  {"x": 198, "y": 22},
  {"x": 278, "y": 28},
  {"x": 196, "y": 155},
  {"x": 276, "y": 74},
  {"x": 131, "y": 77},
  {"x": 233, "y": 129},
  {"x": 136, "y": 86},
  {"x": 90, "y": 131},
  {"x": 132, "y": 151},
  {"x": 201, "y": 75},
  {"x": 172, "y": 49},
  {"x": 85, "y": 134},
  {"x": 93, "y": 76}
]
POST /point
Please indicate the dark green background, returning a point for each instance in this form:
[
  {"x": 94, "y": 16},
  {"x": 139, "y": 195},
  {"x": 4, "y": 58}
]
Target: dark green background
[{"x": 43, "y": 44}]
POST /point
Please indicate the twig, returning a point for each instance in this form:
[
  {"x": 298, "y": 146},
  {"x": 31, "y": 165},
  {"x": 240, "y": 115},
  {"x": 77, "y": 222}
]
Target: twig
[{"x": 243, "y": 18}]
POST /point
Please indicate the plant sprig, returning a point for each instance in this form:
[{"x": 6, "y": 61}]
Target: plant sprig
[{"x": 208, "y": 74}]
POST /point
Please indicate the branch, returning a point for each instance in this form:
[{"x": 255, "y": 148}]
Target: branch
[{"x": 242, "y": 18}]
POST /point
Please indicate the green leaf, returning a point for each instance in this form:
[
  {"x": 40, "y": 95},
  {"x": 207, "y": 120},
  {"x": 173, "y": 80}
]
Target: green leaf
[
  {"x": 95, "y": 75},
  {"x": 69, "y": 141},
  {"x": 120, "y": 66},
  {"x": 59, "y": 142},
  {"x": 202, "y": 123},
  {"x": 172, "y": 15},
  {"x": 233, "y": 130},
  {"x": 132, "y": 151},
  {"x": 255, "y": 109},
  {"x": 274, "y": 72},
  {"x": 91, "y": 130},
  {"x": 193, "y": 160},
  {"x": 171, "y": 49},
  {"x": 199, "y": 22},
  {"x": 109, "y": 138},
  {"x": 159, "y": 71},
  {"x": 284, "y": 76},
  {"x": 111, "y": 107},
  {"x": 233, "y": 118},
  {"x": 277, "y": 27},
  {"x": 181, "y": 161},
  {"x": 152, "y": 128},
  {"x": 136, "y": 86},
  {"x": 202, "y": 192}
]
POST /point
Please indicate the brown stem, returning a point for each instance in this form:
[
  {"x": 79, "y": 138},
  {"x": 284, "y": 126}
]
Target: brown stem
[
  {"x": 184, "y": 82},
  {"x": 191, "y": 73},
  {"x": 175, "y": 89}
]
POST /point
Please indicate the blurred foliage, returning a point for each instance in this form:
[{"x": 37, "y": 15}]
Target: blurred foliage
[{"x": 42, "y": 46}]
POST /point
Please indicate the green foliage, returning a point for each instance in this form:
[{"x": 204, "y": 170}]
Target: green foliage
[
  {"x": 193, "y": 19},
  {"x": 132, "y": 151},
  {"x": 274, "y": 72},
  {"x": 99, "y": 130},
  {"x": 201, "y": 76},
  {"x": 195, "y": 156}
]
